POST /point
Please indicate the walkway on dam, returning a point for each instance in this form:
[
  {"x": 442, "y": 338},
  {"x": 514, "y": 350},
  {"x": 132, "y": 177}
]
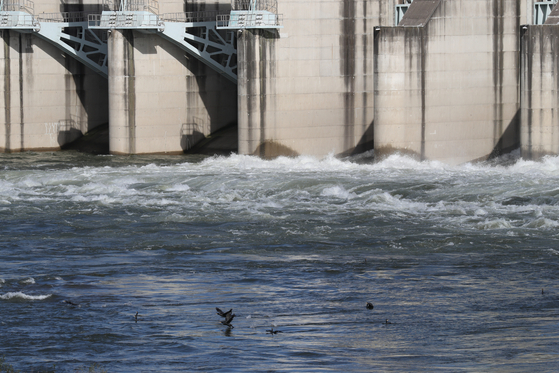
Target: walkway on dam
[{"x": 208, "y": 36}]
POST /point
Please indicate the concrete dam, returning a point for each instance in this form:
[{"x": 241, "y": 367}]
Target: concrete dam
[{"x": 448, "y": 80}]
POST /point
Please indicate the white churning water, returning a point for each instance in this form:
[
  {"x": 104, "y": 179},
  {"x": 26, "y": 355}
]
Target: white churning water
[{"x": 463, "y": 261}]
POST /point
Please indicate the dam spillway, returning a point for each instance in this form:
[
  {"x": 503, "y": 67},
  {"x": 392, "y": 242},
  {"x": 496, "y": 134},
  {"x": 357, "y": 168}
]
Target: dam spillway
[{"x": 454, "y": 81}]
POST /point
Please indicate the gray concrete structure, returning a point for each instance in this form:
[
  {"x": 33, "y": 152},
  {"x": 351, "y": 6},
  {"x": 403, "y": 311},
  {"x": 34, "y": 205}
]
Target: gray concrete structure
[
  {"x": 539, "y": 86},
  {"x": 161, "y": 99},
  {"x": 455, "y": 81},
  {"x": 308, "y": 88},
  {"x": 47, "y": 98},
  {"x": 447, "y": 81}
]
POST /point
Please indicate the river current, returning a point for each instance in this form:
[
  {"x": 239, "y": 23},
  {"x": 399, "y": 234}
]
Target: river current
[{"x": 463, "y": 262}]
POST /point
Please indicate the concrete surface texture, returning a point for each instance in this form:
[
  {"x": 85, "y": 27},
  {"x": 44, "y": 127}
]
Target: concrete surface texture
[
  {"x": 447, "y": 81},
  {"x": 47, "y": 98},
  {"x": 455, "y": 81},
  {"x": 539, "y": 61},
  {"x": 161, "y": 100},
  {"x": 308, "y": 88}
]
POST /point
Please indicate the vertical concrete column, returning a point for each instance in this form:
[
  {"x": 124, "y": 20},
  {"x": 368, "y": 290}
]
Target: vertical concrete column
[
  {"x": 539, "y": 87},
  {"x": 48, "y": 99},
  {"x": 400, "y": 92},
  {"x": 450, "y": 90},
  {"x": 162, "y": 100},
  {"x": 122, "y": 92},
  {"x": 256, "y": 73},
  {"x": 308, "y": 88}
]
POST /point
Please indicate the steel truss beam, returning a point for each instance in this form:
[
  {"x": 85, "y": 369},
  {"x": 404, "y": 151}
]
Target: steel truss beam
[
  {"x": 67, "y": 31},
  {"x": 203, "y": 41},
  {"x": 195, "y": 33}
]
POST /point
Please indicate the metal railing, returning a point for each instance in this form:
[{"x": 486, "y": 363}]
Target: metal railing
[
  {"x": 132, "y": 5},
  {"x": 542, "y": 9},
  {"x": 254, "y": 5},
  {"x": 62, "y": 17},
  {"x": 18, "y": 6},
  {"x": 124, "y": 20},
  {"x": 189, "y": 17},
  {"x": 249, "y": 20},
  {"x": 22, "y": 21}
]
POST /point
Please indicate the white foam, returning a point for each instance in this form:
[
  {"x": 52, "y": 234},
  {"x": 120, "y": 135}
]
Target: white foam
[
  {"x": 542, "y": 223},
  {"x": 494, "y": 224},
  {"x": 336, "y": 191},
  {"x": 29, "y": 280},
  {"x": 24, "y": 296}
]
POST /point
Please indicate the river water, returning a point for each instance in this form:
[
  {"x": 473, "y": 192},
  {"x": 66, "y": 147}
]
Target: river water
[{"x": 455, "y": 257}]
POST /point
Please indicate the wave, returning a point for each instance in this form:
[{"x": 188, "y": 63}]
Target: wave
[
  {"x": 522, "y": 193},
  {"x": 21, "y": 295}
]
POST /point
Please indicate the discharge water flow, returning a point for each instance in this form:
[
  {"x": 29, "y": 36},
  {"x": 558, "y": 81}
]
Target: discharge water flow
[{"x": 462, "y": 261}]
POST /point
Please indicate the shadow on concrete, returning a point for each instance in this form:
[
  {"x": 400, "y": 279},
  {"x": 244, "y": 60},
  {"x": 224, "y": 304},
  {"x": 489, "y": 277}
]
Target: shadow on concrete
[
  {"x": 222, "y": 142},
  {"x": 510, "y": 140},
  {"x": 95, "y": 141},
  {"x": 367, "y": 141},
  {"x": 191, "y": 134},
  {"x": 206, "y": 88}
]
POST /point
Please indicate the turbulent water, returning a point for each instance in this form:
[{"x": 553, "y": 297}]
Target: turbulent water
[{"x": 463, "y": 261}]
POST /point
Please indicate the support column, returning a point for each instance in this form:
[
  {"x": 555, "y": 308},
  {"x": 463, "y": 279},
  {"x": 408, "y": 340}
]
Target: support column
[
  {"x": 48, "y": 99},
  {"x": 308, "y": 88},
  {"x": 162, "y": 101},
  {"x": 122, "y": 92}
]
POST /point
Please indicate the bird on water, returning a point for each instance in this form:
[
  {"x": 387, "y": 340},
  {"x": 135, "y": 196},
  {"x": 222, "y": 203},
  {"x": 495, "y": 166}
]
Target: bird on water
[
  {"x": 223, "y": 314},
  {"x": 71, "y": 303},
  {"x": 272, "y": 331},
  {"x": 369, "y": 306},
  {"x": 387, "y": 322},
  {"x": 228, "y": 320}
]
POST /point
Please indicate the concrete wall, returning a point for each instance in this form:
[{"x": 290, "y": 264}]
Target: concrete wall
[
  {"x": 47, "y": 99},
  {"x": 308, "y": 89},
  {"x": 161, "y": 100},
  {"x": 447, "y": 81},
  {"x": 540, "y": 83}
]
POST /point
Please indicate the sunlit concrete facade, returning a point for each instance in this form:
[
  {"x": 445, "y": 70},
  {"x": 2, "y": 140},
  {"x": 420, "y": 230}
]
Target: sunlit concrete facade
[
  {"x": 455, "y": 81},
  {"x": 308, "y": 88},
  {"x": 447, "y": 80},
  {"x": 47, "y": 99},
  {"x": 539, "y": 86},
  {"x": 162, "y": 100}
]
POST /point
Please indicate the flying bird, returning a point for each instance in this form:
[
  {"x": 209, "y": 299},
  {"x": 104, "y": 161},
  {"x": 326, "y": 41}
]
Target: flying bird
[
  {"x": 223, "y": 314},
  {"x": 228, "y": 320}
]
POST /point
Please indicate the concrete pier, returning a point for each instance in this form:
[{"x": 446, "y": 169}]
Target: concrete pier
[
  {"x": 539, "y": 85},
  {"x": 47, "y": 98},
  {"x": 448, "y": 80},
  {"x": 308, "y": 87},
  {"x": 160, "y": 99}
]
